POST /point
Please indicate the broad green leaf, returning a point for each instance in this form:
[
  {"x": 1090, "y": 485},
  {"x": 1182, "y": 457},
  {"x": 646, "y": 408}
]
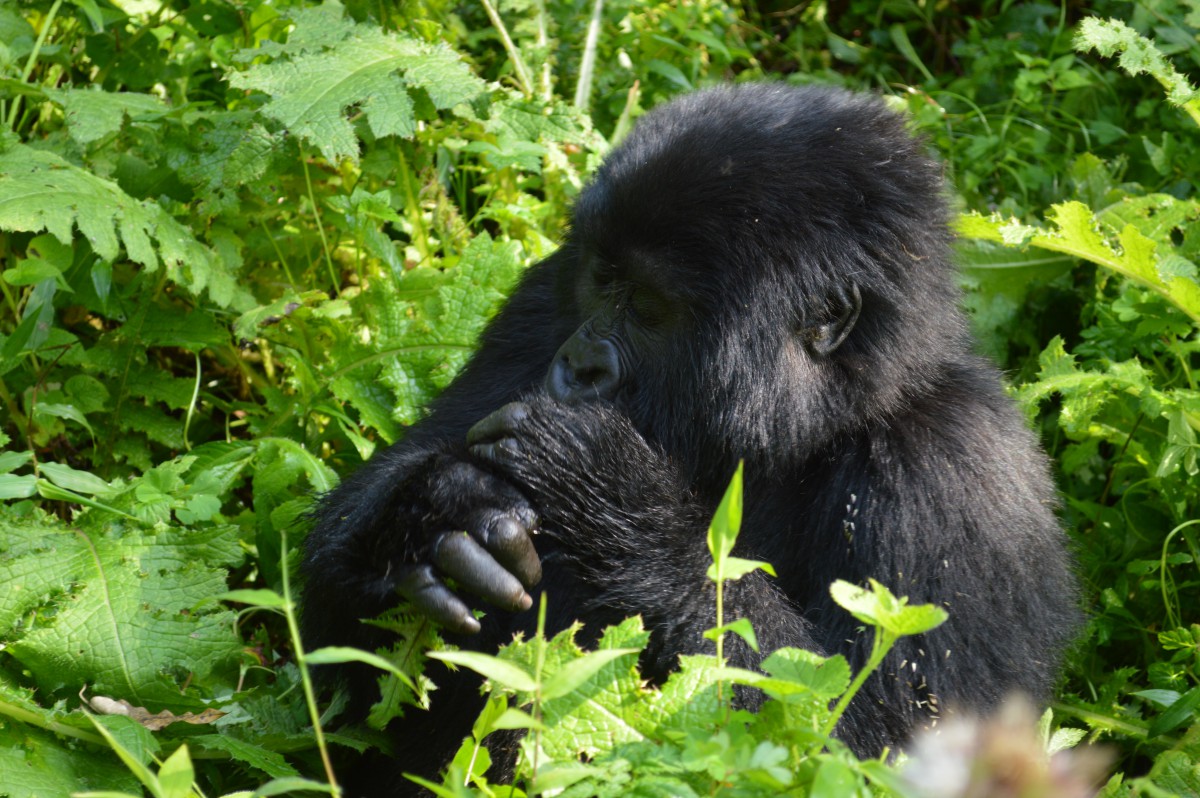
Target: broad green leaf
[
  {"x": 834, "y": 779},
  {"x": 313, "y": 88},
  {"x": 574, "y": 673},
  {"x": 827, "y": 677},
  {"x": 123, "y": 610},
  {"x": 93, "y": 114},
  {"x": 11, "y": 461},
  {"x": 15, "y": 486},
  {"x": 602, "y": 708},
  {"x": 1076, "y": 231},
  {"x": 36, "y": 764},
  {"x": 40, "y": 190}
]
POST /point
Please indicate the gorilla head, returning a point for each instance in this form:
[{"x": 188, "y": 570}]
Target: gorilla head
[{"x": 795, "y": 237}]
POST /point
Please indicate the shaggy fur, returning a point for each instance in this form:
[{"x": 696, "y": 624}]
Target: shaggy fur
[{"x": 746, "y": 216}]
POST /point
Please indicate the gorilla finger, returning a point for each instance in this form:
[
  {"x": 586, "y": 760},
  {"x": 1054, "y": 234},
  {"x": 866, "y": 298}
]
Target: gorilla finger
[
  {"x": 457, "y": 555},
  {"x": 425, "y": 590},
  {"x": 508, "y": 539},
  {"x": 500, "y": 425}
]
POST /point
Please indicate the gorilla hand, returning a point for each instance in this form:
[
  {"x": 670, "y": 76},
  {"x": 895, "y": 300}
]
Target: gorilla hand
[
  {"x": 589, "y": 472},
  {"x": 478, "y": 533}
]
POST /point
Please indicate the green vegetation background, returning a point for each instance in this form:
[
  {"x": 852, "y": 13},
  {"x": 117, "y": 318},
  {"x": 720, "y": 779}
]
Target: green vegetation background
[{"x": 245, "y": 242}]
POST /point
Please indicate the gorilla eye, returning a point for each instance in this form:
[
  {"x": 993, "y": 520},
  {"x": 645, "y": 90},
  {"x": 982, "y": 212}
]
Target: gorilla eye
[
  {"x": 604, "y": 274},
  {"x": 648, "y": 306}
]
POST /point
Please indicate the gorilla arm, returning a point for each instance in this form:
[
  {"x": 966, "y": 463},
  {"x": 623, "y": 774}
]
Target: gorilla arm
[
  {"x": 630, "y": 526},
  {"x": 420, "y": 510}
]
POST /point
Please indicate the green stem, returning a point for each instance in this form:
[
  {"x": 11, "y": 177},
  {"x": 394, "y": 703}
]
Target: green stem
[
  {"x": 587, "y": 64},
  {"x": 522, "y": 72},
  {"x": 32, "y": 60},
  {"x": 881, "y": 644},
  {"x": 22, "y": 715},
  {"x": 191, "y": 409},
  {"x": 310, "y": 695},
  {"x": 337, "y": 287}
]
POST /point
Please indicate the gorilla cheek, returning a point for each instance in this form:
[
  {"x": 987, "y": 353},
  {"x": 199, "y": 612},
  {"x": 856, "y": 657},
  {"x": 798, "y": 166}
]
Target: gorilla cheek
[{"x": 585, "y": 368}]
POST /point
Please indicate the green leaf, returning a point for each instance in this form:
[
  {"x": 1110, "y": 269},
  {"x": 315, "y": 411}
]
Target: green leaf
[
  {"x": 176, "y": 774},
  {"x": 11, "y": 461},
  {"x": 575, "y": 673},
  {"x": 39, "y": 190},
  {"x": 1077, "y": 232},
  {"x": 499, "y": 671},
  {"x": 268, "y": 599},
  {"x": 13, "y": 486},
  {"x": 78, "y": 481},
  {"x": 725, "y": 524},
  {"x": 93, "y": 114},
  {"x": 37, "y": 764},
  {"x": 741, "y": 627},
  {"x": 834, "y": 779},
  {"x": 877, "y": 606},
  {"x": 311, "y": 87},
  {"x": 1180, "y": 712},
  {"x": 122, "y": 611},
  {"x": 794, "y": 668},
  {"x": 256, "y": 756},
  {"x": 334, "y": 655}
]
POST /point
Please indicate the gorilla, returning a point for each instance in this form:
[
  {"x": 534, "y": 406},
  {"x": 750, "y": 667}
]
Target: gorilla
[{"x": 758, "y": 273}]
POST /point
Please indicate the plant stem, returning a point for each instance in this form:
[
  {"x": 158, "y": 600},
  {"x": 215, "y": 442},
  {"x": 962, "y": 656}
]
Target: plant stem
[
  {"x": 522, "y": 72},
  {"x": 310, "y": 696},
  {"x": 32, "y": 60}
]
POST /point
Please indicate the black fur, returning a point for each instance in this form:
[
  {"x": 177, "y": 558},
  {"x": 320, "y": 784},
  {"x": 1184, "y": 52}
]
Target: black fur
[{"x": 792, "y": 246}]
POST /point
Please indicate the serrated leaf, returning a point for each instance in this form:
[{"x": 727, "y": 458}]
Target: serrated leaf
[
  {"x": 827, "y": 677},
  {"x": 93, "y": 113},
  {"x": 575, "y": 673},
  {"x": 603, "y": 708},
  {"x": 1077, "y": 232},
  {"x": 39, "y": 190},
  {"x": 269, "y": 762},
  {"x": 311, "y": 88},
  {"x": 119, "y": 607}
]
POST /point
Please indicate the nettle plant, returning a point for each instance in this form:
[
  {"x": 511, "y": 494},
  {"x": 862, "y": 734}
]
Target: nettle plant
[{"x": 1120, "y": 404}]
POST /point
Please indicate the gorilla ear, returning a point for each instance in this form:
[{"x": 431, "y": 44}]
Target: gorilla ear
[{"x": 822, "y": 339}]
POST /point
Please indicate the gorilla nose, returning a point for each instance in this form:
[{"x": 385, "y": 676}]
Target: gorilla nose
[{"x": 584, "y": 369}]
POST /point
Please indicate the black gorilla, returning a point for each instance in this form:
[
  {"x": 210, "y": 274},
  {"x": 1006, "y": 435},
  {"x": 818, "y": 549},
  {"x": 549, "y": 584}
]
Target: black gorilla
[{"x": 758, "y": 272}]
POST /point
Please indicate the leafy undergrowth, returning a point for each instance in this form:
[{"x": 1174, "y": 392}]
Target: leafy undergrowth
[{"x": 245, "y": 243}]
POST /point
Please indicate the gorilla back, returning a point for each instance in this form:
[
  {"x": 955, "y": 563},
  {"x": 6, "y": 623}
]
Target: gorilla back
[{"x": 757, "y": 272}]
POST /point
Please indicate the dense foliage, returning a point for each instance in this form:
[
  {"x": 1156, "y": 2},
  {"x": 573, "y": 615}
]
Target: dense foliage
[{"x": 245, "y": 242}]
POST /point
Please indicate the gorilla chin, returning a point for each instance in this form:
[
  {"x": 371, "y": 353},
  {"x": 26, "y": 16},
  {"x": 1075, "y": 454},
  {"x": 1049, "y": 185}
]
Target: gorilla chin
[{"x": 759, "y": 272}]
